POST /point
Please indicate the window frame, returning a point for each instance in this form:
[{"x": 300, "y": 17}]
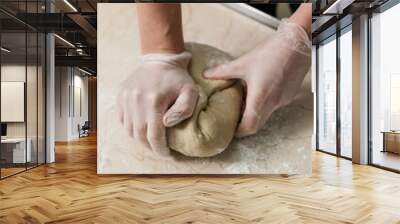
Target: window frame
[
  {"x": 378, "y": 10},
  {"x": 27, "y": 29},
  {"x": 333, "y": 37}
]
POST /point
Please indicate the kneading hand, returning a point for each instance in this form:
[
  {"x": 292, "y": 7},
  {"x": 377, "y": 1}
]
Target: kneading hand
[
  {"x": 272, "y": 72},
  {"x": 158, "y": 93}
]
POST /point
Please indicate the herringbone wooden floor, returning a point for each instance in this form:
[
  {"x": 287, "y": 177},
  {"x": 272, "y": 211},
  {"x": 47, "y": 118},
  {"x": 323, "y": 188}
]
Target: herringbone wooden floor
[{"x": 70, "y": 191}]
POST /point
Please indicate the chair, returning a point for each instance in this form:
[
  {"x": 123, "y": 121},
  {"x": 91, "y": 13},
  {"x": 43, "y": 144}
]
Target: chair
[{"x": 84, "y": 130}]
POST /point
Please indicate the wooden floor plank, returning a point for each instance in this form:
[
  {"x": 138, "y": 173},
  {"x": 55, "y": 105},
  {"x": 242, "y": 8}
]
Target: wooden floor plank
[{"x": 70, "y": 191}]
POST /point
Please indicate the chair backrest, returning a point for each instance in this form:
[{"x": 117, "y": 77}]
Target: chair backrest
[{"x": 86, "y": 124}]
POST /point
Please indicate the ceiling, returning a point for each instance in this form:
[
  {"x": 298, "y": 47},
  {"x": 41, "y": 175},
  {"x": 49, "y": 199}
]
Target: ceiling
[
  {"x": 72, "y": 20},
  {"x": 330, "y": 16}
]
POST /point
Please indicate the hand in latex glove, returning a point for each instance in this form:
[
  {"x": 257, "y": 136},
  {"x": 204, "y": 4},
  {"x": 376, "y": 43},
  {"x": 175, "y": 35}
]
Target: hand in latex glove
[
  {"x": 158, "y": 92},
  {"x": 272, "y": 72}
]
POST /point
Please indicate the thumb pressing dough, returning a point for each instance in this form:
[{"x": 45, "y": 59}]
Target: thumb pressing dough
[{"x": 212, "y": 125}]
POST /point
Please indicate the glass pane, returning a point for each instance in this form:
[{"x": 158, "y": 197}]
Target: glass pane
[
  {"x": 31, "y": 87},
  {"x": 31, "y": 100},
  {"x": 346, "y": 94},
  {"x": 327, "y": 97},
  {"x": 41, "y": 98},
  {"x": 13, "y": 88},
  {"x": 385, "y": 84}
]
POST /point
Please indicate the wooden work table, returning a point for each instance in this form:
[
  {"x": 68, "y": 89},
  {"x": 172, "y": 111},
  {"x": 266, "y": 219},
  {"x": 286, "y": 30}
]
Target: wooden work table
[{"x": 391, "y": 141}]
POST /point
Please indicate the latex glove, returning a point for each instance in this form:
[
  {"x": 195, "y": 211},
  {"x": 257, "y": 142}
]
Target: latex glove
[
  {"x": 273, "y": 73},
  {"x": 159, "y": 93}
]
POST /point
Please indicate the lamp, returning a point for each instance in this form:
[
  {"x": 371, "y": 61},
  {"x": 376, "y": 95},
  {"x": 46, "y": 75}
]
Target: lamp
[
  {"x": 70, "y": 5},
  {"x": 5, "y": 50},
  {"x": 64, "y": 40}
]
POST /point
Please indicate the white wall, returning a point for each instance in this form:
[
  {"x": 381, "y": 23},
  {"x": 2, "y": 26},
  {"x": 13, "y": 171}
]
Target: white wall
[
  {"x": 80, "y": 83},
  {"x": 67, "y": 116},
  {"x": 62, "y": 81},
  {"x": 11, "y": 73}
]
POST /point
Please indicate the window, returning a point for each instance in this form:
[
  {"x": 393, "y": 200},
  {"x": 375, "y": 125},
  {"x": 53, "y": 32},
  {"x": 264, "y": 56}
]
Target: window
[
  {"x": 22, "y": 77},
  {"x": 346, "y": 92},
  {"x": 327, "y": 96},
  {"x": 385, "y": 89}
]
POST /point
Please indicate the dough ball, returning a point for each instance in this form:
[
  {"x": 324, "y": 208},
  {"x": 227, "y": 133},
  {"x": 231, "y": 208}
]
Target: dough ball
[{"x": 213, "y": 123}]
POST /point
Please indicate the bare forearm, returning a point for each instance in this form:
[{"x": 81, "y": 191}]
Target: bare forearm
[
  {"x": 160, "y": 27},
  {"x": 303, "y": 17}
]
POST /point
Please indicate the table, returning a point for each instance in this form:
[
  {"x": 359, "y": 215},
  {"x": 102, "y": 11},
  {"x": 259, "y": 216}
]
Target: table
[
  {"x": 391, "y": 141},
  {"x": 16, "y": 147}
]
